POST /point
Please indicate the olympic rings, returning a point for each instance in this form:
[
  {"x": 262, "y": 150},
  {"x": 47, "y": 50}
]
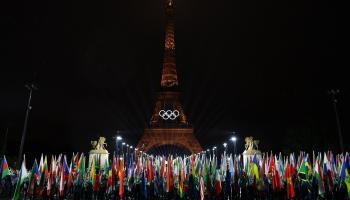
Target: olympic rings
[{"x": 169, "y": 114}]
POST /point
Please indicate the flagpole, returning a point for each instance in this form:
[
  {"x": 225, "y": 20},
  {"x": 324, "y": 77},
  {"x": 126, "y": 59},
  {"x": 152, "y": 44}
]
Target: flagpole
[
  {"x": 333, "y": 94},
  {"x": 30, "y": 87}
]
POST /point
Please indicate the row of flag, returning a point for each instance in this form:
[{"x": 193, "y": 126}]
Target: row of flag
[{"x": 211, "y": 174}]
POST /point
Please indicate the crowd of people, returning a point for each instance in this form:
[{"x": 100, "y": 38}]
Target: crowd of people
[{"x": 198, "y": 176}]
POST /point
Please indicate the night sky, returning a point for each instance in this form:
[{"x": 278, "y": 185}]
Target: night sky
[{"x": 259, "y": 68}]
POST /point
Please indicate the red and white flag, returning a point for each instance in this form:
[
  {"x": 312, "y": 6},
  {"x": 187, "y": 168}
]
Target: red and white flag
[{"x": 201, "y": 182}]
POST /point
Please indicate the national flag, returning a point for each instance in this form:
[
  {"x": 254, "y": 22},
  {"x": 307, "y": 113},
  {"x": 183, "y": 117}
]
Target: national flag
[
  {"x": 319, "y": 178},
  {"x": 327, "y": 171},
  {"x": 308, "y": 166},
  {"x": 218, "y": 187},
  {"x": 81, "y": 165},
  {"x": 114, "y": 172},
  {"x": 65, "y": 166},
  {"x": 289, "y": 181},
  {"x": 41, "y": 163},
  {"x": 4, "y": 171},
  {"x": 43, "y": 177},
  {"x": 150, "y": 175},
  {"x": 235, "y": 175},
  {"x": 263, "y": 169},
  {"x": 70, "y": 176},
  {"x": 345, "y": 172},
  {"x": 292, "y": 164},
  {"x": 61, "y": 186},
  {"x": 95, "y": 175},
  {"x": 254, "y": 171},
  {"x": 23, "y": 175},
  {"x": 273, "y": 172},
  {"x": 201, "y": 184},
  {"x": 93, "y": 171},
  {"x": 33, "y": 178},
  {"x": 344, "y": 166},
  {"x": 182, "y": 179},
  {"x": 50, "y": 176},
  {"x": 347, "y": 181},
  {"x": 162, "y": 167},
  {"x": 169, "y": 180},
  {"x": 303, "y": 171},
  {"x": 121, "y": 177}
]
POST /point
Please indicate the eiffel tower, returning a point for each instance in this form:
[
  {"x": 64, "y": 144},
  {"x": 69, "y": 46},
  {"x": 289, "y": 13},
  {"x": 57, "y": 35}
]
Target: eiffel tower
[{"x": 169, "y": 124}]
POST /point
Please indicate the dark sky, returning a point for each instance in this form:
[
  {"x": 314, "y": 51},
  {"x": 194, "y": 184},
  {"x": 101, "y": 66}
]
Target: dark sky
[{"x": 261, "y": 68}]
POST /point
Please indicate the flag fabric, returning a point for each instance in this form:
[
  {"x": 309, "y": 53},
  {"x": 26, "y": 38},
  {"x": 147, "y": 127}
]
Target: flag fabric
[
  {"x": 121, "y": 177},
  {"x": 33, "y": 178},
  {"x": 168, "y": 177},
  {"x": 61, "y": 186},
  {"x": 50, "y": 177},
  {"x": 4, "y": 171},
  {"x": 204, "y": 174},
  {"x": 319, "y": 178},
  {"x": 254, "y": 171},
  {"x": 41, "y": 163},
  {"x": 43, "y": 177},
  {"x": 70, "y": 176},
  {"x": 289, "y": 182},
  {"x": 274, "y": 174},
  {"x": 201, "y": 182},
  {"x": 303, "y": 170},
  {"x": 81, "y": 165},
  {"x": 347, "y": 181},
  {"x": 94, "y": 175},
  {"x": 345, "y": 172},
  {"x": 218, "y": 187},
  {"x": 23, "y": 175}
]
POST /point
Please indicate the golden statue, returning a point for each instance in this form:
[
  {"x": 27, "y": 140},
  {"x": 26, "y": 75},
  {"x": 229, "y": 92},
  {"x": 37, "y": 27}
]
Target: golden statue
[
  {"x": 251, "y": 145},
  {"x": 99, "y": 150},
  {"x": 100, "y": 144}
]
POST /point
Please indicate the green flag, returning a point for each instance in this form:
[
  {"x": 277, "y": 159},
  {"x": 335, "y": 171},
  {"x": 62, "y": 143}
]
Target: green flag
[
  {"x": 303, "y": 172},
  {"x": 5, "y": 171},
  {"x": 23, "y": 174}
]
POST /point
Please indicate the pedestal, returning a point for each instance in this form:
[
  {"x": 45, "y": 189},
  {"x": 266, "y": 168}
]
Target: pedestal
[
  {"x": 98, "y": 155},
  {"x": 249, "y": 154}
]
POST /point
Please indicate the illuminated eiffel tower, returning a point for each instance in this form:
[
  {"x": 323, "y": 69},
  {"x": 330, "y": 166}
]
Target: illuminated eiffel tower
[{"x": 169, "y": 124}]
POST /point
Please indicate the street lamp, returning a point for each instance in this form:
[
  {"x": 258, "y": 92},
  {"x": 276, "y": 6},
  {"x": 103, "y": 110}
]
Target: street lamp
[
  {"x": 30, "y": 87},
  {"x": 234, "y": 140},
  {"x": 123, "y": 144},
  {"x": 225, "y": 147},
  {"x": 333, "y": 94},
  {"x": 214, "y": 148},
  {"x": 117, "y": 139}
]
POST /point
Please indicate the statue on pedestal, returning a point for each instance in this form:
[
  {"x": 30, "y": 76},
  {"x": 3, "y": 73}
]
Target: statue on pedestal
[
  {"x": 251, "y": 149},
  {"x": 99, "y": 152}
]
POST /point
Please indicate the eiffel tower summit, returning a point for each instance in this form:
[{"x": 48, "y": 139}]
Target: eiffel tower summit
[{"x": 169, "y": 125}]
